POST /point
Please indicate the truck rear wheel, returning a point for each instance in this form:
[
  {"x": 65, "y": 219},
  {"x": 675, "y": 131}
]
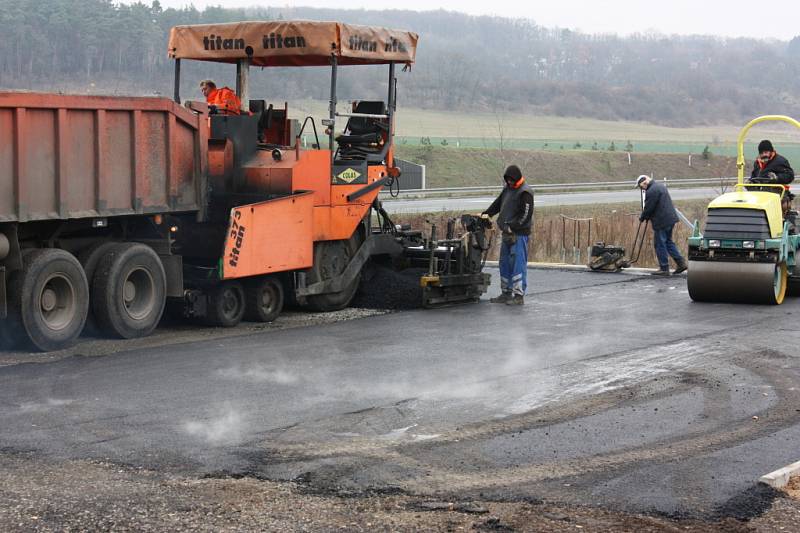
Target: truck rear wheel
[
  {"x": 89, "y": 259},
  {"x": 330, "y": 260},
  {"x": 226, "y": 305},
  {"x": 48, "y": 299},
  {"x": 129, "y": 291},
  {"x": 263, "y": 299}
]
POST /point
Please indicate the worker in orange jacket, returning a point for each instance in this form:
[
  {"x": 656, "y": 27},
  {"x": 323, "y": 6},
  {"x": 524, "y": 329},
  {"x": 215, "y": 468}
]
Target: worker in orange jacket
[{"x": 224, "y": 100}]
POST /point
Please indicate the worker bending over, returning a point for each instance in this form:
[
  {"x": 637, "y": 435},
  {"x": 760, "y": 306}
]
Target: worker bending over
[
  {"x": 223, "y": 101},
  {"x": 658, "y": 209},
  {"x": 514, "y": 208}
]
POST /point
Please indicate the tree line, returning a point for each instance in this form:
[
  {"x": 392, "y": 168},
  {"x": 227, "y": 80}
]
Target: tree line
[{"x": 463, "y": 63}]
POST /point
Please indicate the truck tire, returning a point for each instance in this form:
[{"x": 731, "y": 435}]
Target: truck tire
[
  {"x": 330, "y": 260},
  {"x": 263, "y": 299},
  {"x": 129, "y": 291},
  {"x": 226, "y": 304},
  {"x": 48, "y": 299},
  {"x": 89, "y": 258}
]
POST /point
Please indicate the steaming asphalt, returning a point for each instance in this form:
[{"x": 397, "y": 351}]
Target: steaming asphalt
[{"x": 604, "y": 389}]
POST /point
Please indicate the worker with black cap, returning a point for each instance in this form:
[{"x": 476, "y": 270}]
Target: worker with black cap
[
  {"x": 658, "y": 209},
  {"x": 775, "y": 169},
  {"x": 770, "y": 167},
  {"x": 514, "y": 207}
]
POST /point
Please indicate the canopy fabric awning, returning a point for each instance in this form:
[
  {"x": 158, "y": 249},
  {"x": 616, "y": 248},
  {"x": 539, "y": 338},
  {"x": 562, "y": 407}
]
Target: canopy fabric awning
[{"x": 292, "y": 43}]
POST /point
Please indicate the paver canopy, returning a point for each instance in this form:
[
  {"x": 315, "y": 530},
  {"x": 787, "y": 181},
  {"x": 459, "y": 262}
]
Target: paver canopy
[{"x": 292, "y": 43}]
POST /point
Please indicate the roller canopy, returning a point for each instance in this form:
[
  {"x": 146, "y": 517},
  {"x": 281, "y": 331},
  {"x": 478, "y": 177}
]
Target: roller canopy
[{"x": 292, "y": 43}]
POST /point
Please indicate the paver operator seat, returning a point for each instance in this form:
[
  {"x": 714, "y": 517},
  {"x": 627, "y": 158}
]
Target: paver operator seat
[{"x": 364, "y": 137}]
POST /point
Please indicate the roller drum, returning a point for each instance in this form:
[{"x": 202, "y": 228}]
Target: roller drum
[{"x": 753, "y": 283}]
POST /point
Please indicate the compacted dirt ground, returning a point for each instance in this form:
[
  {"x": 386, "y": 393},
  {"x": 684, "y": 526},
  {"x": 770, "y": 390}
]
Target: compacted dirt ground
[
  {"x": 47, "y": 495},
  {"x": 793, "y": 488}
]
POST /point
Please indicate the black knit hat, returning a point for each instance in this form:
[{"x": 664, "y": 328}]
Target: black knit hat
[
  {"x": 512, "y": 173},
  {"x": 765, "y": 146}
]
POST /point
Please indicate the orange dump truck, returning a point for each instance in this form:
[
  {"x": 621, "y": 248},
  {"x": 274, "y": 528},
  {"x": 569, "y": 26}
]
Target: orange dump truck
[{"x": 112, "y": 208}]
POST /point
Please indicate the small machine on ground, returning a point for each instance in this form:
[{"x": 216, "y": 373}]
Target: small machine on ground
[
  {"x": 747, "y": 251},
  {"x": 610, "y": 258}
]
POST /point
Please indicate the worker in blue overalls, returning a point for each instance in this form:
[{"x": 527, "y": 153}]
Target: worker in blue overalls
[{"x": 514, "y": 208}]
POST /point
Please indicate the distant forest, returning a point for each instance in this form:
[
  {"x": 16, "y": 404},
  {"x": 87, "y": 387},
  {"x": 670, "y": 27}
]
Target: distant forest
[{"x": 463, "y": 63}]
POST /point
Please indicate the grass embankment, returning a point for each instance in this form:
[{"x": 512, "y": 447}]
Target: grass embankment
[
  {"x": 484, "y": 128},
  {"x": 464, "y": 167},
  {"x": 555, "y": 239}
]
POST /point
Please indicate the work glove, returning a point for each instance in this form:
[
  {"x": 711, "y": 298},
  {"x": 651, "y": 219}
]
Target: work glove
[
  {"x": 508, "y": 236},
  {"x": 773, "y": 178}
]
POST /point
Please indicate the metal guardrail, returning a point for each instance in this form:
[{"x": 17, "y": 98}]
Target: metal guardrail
[{"x": 561, "y": 186}]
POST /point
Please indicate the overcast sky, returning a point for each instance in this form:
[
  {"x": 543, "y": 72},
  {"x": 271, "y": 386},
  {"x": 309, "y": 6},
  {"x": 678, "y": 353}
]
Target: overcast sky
[{"x": 733, "y": 18}]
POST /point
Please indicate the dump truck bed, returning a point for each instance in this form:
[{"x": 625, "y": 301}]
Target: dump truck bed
[{"x": 68, "y": 156}]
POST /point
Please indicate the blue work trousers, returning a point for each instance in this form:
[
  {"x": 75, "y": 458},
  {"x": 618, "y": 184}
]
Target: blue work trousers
[
  {"x": 514, "y": 266},
  {"x": 665, "y": 248}
]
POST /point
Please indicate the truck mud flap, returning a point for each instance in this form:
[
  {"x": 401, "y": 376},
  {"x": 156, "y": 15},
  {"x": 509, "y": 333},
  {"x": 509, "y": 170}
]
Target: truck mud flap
[
  {"x": 3, "y": 306},
  {"x": 173, "y": 269}
]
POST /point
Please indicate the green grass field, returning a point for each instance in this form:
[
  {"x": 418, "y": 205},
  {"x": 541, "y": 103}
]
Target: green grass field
[
  {"x": 521, "y": 131},
  {"x": 462, "y": 149},
  {"x": 460, "y": 167},
  {"x": 788, "y": 149}
]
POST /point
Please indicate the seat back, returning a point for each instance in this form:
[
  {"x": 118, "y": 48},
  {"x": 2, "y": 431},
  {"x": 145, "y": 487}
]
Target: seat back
[{"x": 361, "y": 125}]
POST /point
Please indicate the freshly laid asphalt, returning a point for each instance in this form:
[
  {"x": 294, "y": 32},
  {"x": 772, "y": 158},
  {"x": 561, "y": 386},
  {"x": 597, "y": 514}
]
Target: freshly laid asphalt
[{"x": 604, "y": 389}]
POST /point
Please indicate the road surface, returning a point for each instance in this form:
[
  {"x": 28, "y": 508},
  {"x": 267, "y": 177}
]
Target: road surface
[
  {"x": 477, "y": 204},
  {"x": 608, "y": 390}
]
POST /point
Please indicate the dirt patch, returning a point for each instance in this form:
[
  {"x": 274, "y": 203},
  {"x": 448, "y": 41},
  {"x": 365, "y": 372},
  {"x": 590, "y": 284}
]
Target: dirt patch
[
  {"x": 793, "y": 488},
  {"x": 40, "y": 495}
]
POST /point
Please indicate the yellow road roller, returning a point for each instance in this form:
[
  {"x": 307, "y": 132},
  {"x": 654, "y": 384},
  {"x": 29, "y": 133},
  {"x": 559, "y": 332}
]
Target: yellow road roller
[{"x": 746, "y": 252}]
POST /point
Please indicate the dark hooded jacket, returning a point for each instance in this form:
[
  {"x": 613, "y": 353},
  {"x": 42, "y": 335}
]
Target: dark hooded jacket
[
  {"x": 515, "y": 209},
  {"x": 779, "y": 165},
  {"x": 658, "y": 208}
]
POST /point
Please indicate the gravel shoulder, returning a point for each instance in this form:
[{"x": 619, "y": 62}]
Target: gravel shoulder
[
  {"x": 793, "y": 488},
  {"x": 43, "y": 495}
]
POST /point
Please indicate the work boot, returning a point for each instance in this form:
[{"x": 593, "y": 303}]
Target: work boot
[
  {"x": 517, "y": 299},
  {"x": 503, "y": 298},
  {"x": 680, "y": 267},
  {"x": 660, "y": 272}
]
